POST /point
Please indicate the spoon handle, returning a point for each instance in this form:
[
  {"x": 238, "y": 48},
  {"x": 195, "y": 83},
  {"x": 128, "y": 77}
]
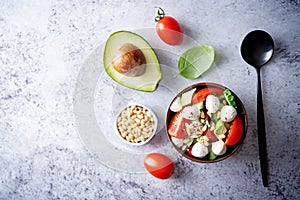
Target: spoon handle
[{"x": 261, "y": 132}]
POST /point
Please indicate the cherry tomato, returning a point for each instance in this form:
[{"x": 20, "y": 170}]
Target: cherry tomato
[
  {"x": 176, "y": 126},
  {"x": 159, "y": 165},
  {"x": 203, "y": 93},
  {"x": 189, "y": 151},
  {"x": 235, "y": 131},
  {"x": 168, "y": 29}
]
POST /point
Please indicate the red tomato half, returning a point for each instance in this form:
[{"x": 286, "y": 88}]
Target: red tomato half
[
  {"x": 176, "y": 126},
  {"x": 189, "y": 151},
  {"x": 235, "y": 132},
  {"x": 159, "y": 165},
  {"x": 211, "y": 135},
  {"x": 203, "y": 93}
]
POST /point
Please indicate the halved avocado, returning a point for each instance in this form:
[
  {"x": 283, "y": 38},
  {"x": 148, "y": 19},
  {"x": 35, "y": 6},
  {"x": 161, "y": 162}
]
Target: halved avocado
[{"x": 148, "y": 81}]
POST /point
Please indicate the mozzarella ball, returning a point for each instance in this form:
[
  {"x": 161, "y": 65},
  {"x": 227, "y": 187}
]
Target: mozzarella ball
[
  {"x": 199, "y": 150},
  {"x": 228, "y": 113},
  {"x": 212, "y": 103},
  {"x": 218, "y": 148},
  {"x": 190, "y": 113}
]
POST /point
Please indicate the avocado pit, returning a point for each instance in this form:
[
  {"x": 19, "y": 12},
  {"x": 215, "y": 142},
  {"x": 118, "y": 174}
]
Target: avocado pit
[{"x": 129, "y": 60}]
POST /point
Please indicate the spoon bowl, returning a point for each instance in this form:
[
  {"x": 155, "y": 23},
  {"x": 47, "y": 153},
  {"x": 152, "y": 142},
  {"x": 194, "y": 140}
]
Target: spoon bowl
[{"x": 257, "y": 49}]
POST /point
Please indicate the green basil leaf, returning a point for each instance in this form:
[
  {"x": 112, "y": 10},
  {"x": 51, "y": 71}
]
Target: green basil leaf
[{"x": 195, "y": 61}]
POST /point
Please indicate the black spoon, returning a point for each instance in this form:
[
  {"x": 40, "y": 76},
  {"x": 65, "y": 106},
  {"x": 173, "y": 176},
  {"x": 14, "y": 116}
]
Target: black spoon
[{"x": 257, "y": 49}]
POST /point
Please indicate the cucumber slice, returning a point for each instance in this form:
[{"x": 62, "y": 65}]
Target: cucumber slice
[
  {"x": 211, "y": 156},
  {"x": 176, "y": 105},
  {"x": 199, "y": 105},
  {"x": 220, "y": 128},
  {"x": 186, "y": 98}
]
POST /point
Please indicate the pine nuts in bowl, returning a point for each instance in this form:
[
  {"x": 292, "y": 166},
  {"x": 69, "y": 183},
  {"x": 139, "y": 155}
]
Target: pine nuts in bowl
[{"x": 136, "y": 124}]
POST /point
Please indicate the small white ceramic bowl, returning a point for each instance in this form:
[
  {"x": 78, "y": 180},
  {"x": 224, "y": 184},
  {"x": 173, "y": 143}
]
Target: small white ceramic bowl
[{"x": 138, "y": 127}]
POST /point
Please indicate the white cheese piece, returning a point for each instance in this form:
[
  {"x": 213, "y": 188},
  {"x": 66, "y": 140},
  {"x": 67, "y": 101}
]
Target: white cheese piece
[
  {"x": 212, "y": 103},
  {"x": 218, "y": 147},
  {"x": 177, "y": 141},
  {"x": 191, "y": 113},
  {"x": 199, "y": 150},
  {"x": 228, "y": 113}
]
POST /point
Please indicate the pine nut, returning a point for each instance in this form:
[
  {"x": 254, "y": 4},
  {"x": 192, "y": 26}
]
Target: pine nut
[
  {"x": 204, "y": 128},
  {"x": 202, "y": 115}
]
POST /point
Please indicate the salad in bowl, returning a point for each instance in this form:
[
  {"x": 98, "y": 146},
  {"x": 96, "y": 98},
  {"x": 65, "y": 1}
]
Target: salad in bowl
[{"x": 206, "y": 122}]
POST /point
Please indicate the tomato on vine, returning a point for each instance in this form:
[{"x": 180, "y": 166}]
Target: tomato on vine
[{"x": 168, "y": 29}]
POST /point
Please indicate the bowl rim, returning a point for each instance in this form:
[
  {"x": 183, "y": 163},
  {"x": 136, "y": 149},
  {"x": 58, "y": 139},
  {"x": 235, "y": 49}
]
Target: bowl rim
[
  {"x": 236, "y": 147},
  {"x": 123, "y": 139}
]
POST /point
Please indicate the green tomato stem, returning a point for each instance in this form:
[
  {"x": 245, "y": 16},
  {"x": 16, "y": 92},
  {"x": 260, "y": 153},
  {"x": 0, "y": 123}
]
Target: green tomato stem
[{"x": 160, "y": 14}]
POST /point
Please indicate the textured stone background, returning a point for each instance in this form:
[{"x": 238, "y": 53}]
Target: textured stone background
[{"x": 43, "y": 45}]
